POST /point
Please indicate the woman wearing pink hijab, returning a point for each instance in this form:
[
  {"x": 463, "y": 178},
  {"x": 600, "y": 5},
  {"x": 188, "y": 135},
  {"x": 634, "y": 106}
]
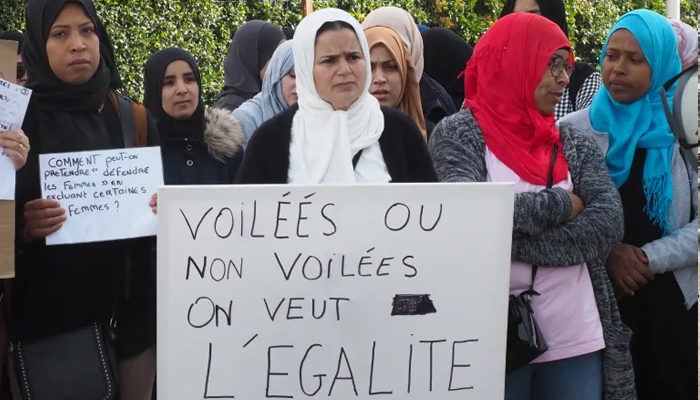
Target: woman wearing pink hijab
[{"x": 687, "y": 42}]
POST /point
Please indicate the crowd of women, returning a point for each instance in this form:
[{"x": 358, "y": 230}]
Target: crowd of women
[{"x": 605, "y": 202}]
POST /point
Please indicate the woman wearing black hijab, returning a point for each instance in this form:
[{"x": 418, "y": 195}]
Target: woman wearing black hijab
[
  {"x": 197, "y": 148},
  {"x": 59, "y": 290},
  {"x": 585, "y": 79},
  {"x": 250, "y": 51},
  {"x": 289, "y": 33},
  {"x": 446, "y": 56}
]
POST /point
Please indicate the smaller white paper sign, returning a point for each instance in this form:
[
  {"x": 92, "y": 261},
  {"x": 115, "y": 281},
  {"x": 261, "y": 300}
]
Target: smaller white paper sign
[
  {"x": 7, "y": 177},
  {"x": 14, "y": 100},
  {"x": 105, "y": 193}
]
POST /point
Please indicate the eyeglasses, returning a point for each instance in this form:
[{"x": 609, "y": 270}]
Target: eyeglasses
[
  {"x": 557, "y": 64},
  {"x": 21, "y": 70}
]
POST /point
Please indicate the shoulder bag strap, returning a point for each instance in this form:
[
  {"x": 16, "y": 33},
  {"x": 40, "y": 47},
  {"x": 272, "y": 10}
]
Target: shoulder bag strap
[
  {"x": 141, "y": 122},
  {"x": 126, "y": 114}
]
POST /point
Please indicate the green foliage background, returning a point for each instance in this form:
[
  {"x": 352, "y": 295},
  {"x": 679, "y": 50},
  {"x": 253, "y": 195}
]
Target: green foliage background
[{"x": 204, "y": 27}]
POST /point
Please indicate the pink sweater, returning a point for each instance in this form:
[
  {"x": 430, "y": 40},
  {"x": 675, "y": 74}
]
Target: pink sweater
[{"x": 566, "y": 310}]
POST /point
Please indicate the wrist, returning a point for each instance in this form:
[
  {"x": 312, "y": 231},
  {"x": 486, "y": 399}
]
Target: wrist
[
  {"x": 606, "y": 255},
  {"x": 27, "y": 237}
]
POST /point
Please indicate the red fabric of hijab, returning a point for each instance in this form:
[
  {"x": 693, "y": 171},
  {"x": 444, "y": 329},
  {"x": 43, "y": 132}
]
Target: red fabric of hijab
[{"x": 508, "y": 64}]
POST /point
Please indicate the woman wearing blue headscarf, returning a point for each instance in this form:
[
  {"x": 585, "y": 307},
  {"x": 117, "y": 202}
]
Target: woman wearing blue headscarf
[
  {"x": 654, "y": 269},
  {"x": 278, "y": 92}
]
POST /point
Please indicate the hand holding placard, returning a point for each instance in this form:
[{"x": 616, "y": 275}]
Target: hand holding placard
[
  {"x": 42, "y": 218},
  {"x": 15, "y": 145},
  {"x": 105, "y": 193}
]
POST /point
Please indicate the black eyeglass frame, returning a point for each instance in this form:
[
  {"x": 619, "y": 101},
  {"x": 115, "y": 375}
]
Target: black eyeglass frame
[{"x": 560, "y": 67}]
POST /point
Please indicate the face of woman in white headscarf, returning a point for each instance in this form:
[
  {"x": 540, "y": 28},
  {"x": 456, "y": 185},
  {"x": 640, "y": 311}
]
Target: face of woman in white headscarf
[
  {"x": 339, "y": 67},
  {"x": 289, "y": 88}
]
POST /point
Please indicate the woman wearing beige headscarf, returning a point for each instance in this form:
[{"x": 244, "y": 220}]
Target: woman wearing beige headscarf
[
  {"x": 394, "y": 78},
  {"x": 436, "y": 102}
]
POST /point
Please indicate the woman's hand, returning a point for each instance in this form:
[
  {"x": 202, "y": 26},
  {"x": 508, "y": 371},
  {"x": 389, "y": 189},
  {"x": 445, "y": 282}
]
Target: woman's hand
[
  {"x": 16, "y": 146},
  {"x": 628, "y": 269},
  {"x": 42, "y": 218},
  {"x": 154, "y": 203}
]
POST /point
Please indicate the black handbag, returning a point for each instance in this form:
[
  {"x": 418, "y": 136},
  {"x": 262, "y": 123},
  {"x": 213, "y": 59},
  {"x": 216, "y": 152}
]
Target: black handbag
[
  {"x": 76, "y": 365},
  {"x": 525, "y": 342}
]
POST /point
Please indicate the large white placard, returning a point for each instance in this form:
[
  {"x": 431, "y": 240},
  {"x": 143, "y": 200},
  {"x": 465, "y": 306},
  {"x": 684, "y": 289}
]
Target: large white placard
[
  {"x": 105, "y": 193},
  {"x": 397, "y": 291},
  {"x": 14, "y": 100}
]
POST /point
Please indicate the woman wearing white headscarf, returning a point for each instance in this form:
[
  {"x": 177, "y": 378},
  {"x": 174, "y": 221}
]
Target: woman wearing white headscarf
[
  {"x": 337, "y": 132},
  {"x": 278, "y": 92}
]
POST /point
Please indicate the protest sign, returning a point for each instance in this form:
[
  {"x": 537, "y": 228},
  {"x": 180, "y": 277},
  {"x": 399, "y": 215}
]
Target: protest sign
[
  {"x": 14, "y": 100},
  {"x": 333, "y": 291},
  {"x": 105, "y": 193}
]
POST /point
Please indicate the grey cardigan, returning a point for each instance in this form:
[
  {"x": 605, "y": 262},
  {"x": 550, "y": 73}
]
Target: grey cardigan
[
  {"x": 543, "y": 235},
  {"x": 675, "y": 252}
]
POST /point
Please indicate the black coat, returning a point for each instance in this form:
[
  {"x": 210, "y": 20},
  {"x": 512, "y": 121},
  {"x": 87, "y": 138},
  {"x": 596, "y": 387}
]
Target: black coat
[
  {"x": 437, "y": 103},
  {"x": 213, "y": 160},
  {"x": 266, "y": 159},
  {"x": 61, "y": 288}
]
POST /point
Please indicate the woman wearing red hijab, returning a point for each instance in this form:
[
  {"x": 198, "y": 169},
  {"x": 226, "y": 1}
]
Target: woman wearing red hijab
[{"x": 567, "y": 211}]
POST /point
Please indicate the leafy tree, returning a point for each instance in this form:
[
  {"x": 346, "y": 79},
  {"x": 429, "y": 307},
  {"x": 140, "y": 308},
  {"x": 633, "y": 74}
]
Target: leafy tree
[{"x": 205, "y": 27}]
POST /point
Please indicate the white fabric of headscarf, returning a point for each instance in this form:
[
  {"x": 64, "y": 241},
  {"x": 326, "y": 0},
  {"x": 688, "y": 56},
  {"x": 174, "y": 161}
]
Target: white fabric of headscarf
[{"x": 324, "y": 141}]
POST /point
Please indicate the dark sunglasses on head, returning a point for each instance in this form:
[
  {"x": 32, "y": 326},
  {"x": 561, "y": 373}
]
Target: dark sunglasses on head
[{"x": 21, "y": 70}]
